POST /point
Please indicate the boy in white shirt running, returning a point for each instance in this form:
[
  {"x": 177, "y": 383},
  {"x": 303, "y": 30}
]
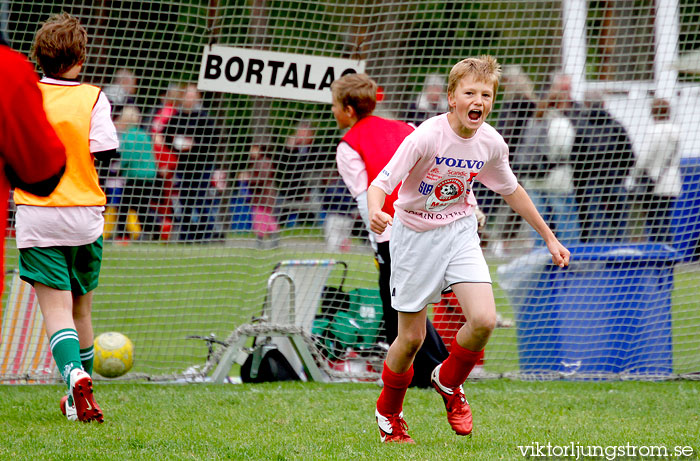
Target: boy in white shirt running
[{"x": 434, "y": 242}]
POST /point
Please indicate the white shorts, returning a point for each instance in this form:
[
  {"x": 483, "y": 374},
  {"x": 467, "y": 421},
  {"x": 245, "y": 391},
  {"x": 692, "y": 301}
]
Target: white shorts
[{"x": 424, "y": 264}]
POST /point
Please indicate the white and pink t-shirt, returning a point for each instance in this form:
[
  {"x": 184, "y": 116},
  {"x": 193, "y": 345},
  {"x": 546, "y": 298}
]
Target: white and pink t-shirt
[{"x": 437, "y": 168}]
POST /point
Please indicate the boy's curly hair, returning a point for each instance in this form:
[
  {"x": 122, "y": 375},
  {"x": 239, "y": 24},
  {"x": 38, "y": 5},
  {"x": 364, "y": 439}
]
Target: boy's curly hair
[{"x": 60, "y": 44}]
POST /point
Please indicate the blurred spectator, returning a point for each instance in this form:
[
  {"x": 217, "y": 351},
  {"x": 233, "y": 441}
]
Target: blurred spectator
[
  {"x": 165, "y": 157},
  {"x": 544, "y": 162},
  {"x": 602, "y": 161},
  {"x": 658, "y": 171},
  {"x": 139, "y": 169},
  {"x": 192, "y": 135},
  {"x": 263, "y": 197},
  {"x": 122, "y": 91},
  {"x": 219, "y": 199},
  {"x": 296, "y": 155},
  {"x": 340, "y": 210},
  {"x": 111, "y": 181},
  {"x": 430, "y": 102},
  {"x": 298, "y": 165},
  {"x": 518, "y": 108}
]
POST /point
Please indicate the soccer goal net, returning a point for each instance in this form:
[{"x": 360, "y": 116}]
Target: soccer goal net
[{"x": 227, "y": 210}]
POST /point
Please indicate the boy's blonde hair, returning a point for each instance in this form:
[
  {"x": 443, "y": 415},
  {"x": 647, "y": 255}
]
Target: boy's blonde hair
[
  {"x": 483, "y": 69},
  {"x": 60, "y": 44},
  {"x": 357, "y": 91}
]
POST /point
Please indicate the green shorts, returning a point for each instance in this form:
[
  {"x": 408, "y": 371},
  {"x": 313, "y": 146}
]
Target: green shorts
[{"x": 74, "y": 269}]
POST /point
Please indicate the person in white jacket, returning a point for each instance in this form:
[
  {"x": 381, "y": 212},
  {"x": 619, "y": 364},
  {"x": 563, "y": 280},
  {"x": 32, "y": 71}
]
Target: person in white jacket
[{"x": 658, "y": 165}]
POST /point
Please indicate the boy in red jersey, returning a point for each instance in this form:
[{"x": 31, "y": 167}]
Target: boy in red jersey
[
  {"x": 60, "y": 236},
  {"x": 364, "y": 150},
  {"x": 434, "y": 241}
]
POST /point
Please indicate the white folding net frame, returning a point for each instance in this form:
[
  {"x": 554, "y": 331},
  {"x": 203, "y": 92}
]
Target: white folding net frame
[{"x": 186, "y": 261}]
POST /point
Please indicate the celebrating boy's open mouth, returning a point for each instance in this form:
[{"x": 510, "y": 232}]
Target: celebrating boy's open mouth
[{"x": 474, "y": 115}]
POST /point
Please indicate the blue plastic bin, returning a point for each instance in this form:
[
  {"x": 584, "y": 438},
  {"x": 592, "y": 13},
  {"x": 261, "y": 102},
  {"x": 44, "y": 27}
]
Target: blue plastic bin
[
  {"x": 685, "y": 220},
  {"x": 609, "y": 312}
]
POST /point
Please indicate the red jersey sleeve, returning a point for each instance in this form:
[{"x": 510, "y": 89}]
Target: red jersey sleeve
[{"x": 28, "y": 143}]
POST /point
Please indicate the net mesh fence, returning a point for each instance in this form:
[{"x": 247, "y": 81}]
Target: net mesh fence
[{"x": 599, "y": 105}]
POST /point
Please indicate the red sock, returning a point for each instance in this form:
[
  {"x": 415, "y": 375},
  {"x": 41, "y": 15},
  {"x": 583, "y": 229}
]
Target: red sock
[
  {"x": 458, "y": 365},
  {"x": 395, "y": 386}
]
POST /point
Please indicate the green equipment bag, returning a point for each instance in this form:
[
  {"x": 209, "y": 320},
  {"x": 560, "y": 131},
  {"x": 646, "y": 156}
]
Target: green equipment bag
[{"x": 354, "y": 325}]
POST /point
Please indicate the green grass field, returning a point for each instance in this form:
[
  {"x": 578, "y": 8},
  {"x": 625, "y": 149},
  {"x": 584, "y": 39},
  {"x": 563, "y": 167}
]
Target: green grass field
[
  {"x": 158, "y": 294},
  {"x": 336, "y": 421}
]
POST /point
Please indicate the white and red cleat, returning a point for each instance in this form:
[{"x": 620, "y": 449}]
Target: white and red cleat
[
  {"x": 392, "y": 428},
  {"x": 81, "y": 389},
  {"x": 68, "y": 410},
  {"x": 459, "y": 414}
]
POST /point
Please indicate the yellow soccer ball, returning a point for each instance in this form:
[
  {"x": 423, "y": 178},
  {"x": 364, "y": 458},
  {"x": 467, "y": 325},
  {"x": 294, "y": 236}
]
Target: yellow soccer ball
[{"x": 114, "y": 354}]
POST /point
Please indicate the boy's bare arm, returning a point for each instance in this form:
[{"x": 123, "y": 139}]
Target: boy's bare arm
[
  {"x": 520, "y": 202},
  {"x": 378, "y": 220}
]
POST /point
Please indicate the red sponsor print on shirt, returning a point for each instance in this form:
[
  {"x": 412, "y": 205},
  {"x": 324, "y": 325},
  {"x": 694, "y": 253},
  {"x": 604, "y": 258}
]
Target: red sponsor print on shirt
[
  {"x": 434, "y": 175},
  {"x": 446, "y": 192}
]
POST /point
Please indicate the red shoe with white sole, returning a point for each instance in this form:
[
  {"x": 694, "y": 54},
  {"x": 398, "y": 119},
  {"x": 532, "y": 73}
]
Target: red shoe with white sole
[
  {"x": 392, "y": 428},
  {"x": 81, "y": 389},
  {"x": 459, "y": 414},
  {"x": 68, "y": 410}
]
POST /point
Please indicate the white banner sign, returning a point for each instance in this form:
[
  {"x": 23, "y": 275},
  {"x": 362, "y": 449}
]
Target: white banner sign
[{"x": 268, "y": 73}]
